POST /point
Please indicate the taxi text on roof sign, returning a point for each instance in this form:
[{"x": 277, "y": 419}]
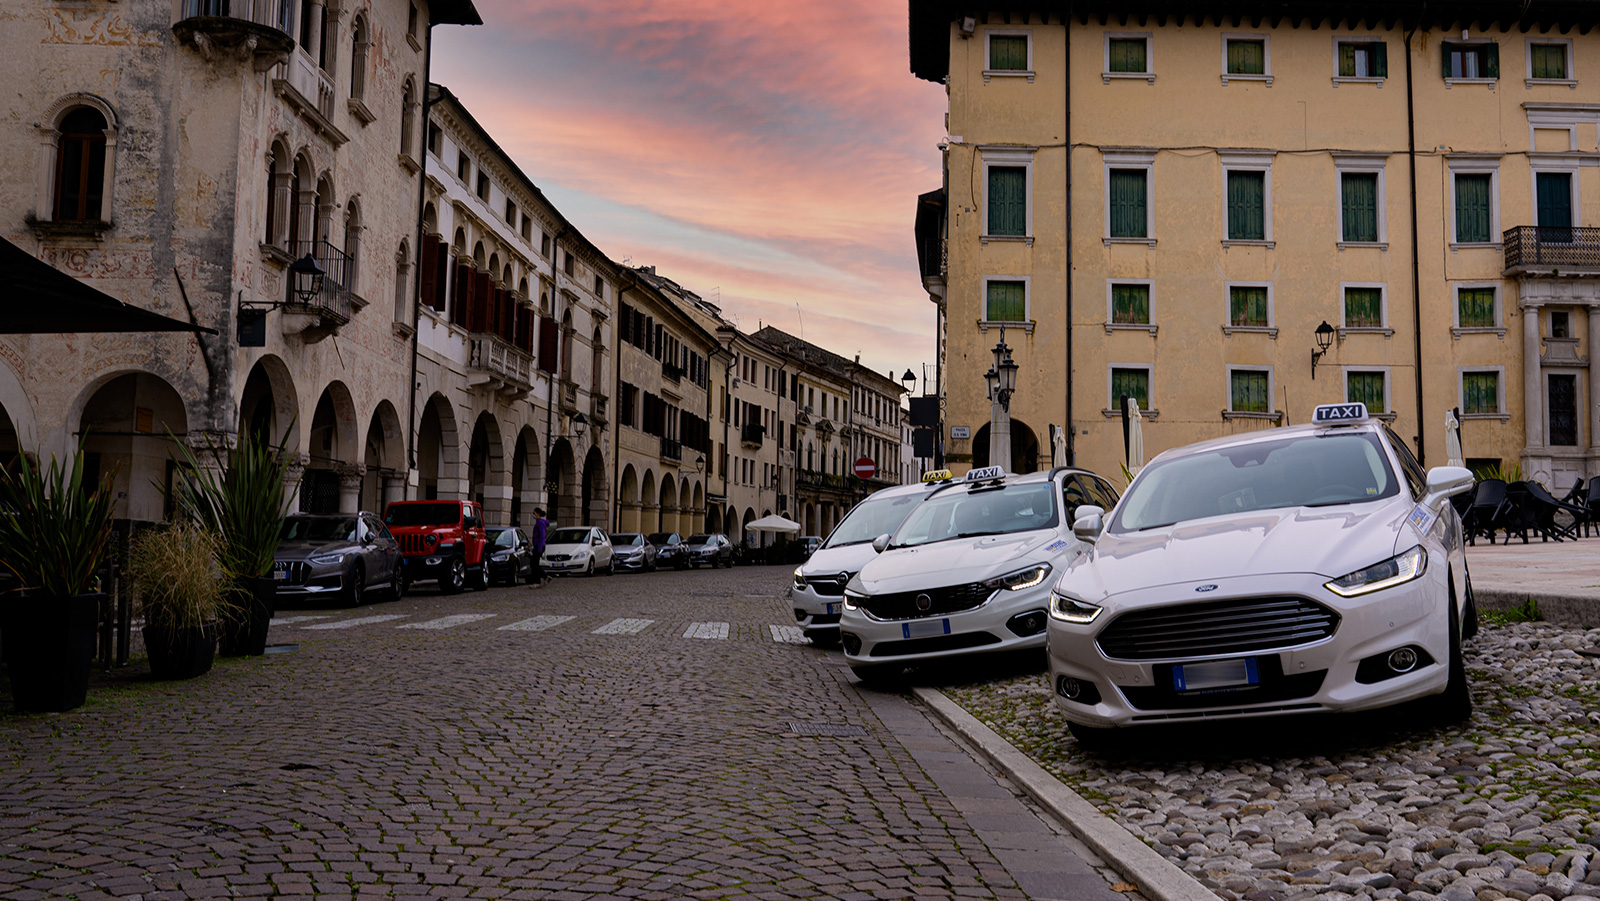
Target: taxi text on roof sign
[
  {"x": 1327, "y": 414},
  {"x": 937, "y": 475},
  {"x": 986, "y": 472}
]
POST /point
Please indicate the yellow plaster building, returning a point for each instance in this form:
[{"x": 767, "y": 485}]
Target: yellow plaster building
[{"x": 1220, "y": 179}]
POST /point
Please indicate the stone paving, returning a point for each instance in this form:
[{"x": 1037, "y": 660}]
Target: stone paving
[{"x": 651, "y": 736}]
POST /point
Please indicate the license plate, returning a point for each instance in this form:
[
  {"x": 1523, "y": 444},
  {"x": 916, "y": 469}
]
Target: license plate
[
  {"x": 280, "y": 574},
  {"x": 833, "y": 608},
  {"x": 923, "y": 628},
  {"x": 1215, "y": 674}
]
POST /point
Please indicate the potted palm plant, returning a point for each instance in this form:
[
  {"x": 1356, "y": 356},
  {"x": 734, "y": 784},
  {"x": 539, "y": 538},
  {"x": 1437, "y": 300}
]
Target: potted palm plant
[
  {"x": 175, "y": 574},
  {"x": 241, "y": 498},
  {"x": 55, "y": 531}
]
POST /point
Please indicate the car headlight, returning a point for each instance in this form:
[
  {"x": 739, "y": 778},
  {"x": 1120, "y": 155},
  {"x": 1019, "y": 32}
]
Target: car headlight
[
  {"x": 1071, "y": 610},
  {"x": 1396, "y": 570},
  {"x": 853, "y": 599},
  {"x": 799, "y": 580},
  {"x": 328, "y": 559},
  {"x": 580, "y": 553},
  {"x": 430, "y": 539},
  {"x": 500, "y": 556},
  {"x": 1022, "y": 578}
]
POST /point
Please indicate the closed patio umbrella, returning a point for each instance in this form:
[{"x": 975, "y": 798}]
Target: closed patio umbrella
[
  {"x": 1452, "y": 440},
  {"x": 1058, "y": 446},
  {"x": 1135, "y": 437}
]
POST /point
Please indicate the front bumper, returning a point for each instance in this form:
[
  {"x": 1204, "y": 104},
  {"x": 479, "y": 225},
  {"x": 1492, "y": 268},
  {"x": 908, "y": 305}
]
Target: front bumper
[
  {"x": 568, "y": 565},
  {"x": 299, "y": 579},
  {"x": 1007, "y": 621},
  {"x": 1340, "y": 673},
  {"x": 428, "y": 568},
  {"x": 815, "y": 612},
  {"x": 639, "y": 562}
]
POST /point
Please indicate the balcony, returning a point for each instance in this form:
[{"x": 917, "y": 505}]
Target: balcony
[
  {"x": 816, "y": 479},
  {"x": 1552, "y": 250},
  {"x": 671, "y": 449},
  {"x": 569, "y": 397},
  {"x": 309, "y": 90},
  {"x": 330, "y": 308},
  {"x": 751, "y": 433},
  {"x": 671, "y": 373},
  {"x": 499, "y": 366},
  {"x": 241, "y": 28},
  {"x": 597, "y": 409}
]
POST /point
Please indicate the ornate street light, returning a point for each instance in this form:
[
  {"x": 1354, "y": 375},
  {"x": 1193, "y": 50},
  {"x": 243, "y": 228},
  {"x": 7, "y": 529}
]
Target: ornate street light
[
  {"x": 579, "y": 423},
  {"x": 910, "y": 380},
  {"x": 307, "y": 278},
  {"x": 1324, "y": 335}
]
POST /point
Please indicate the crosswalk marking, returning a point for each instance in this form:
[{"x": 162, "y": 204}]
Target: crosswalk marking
[
  {"x": 446, "y": 622},
  {"x": 623, "y": 626},
  {"x": 286, "y": 620},
  {"x": 358, "y": 621},
  {"x": 788, "y": 634},
  {"x": 537, "y": 624},
  {"x": 706, "y": 630}
]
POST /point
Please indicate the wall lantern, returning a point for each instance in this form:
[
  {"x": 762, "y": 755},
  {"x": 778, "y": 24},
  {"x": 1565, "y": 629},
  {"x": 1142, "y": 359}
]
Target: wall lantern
[{"x": 1324, "y": 339}]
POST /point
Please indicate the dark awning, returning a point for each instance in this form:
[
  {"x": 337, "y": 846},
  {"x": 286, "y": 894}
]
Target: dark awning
[{"x": 37, "y": 298}]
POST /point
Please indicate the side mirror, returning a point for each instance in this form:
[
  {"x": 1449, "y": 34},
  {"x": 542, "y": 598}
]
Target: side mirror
[
  {"x": 1090, "y": 521},
  {"x": 1445, "y": 482},
  {"x": 881, "y": 543}
]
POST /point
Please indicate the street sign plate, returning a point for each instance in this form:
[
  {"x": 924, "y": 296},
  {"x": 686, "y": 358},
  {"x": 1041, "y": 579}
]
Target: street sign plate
[
  {"x": 865, "y": 468},
  {"x": 960, "y": 432}
]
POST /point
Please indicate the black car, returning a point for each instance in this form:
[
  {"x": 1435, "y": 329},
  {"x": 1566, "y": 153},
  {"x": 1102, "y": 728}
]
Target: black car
[
  {"x": 712, "y": 549},
  {"x": 338, "y": 556},
  {"x": 510, "y": 556},
  {"x": 634, "y": 551},
  {"x": 669, "y": 549}
]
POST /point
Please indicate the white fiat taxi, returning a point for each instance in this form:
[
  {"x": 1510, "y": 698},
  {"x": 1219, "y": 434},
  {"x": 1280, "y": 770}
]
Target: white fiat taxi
[
  {"x": 968, "y": 572},
  {"x": 1309, "y": 568}
]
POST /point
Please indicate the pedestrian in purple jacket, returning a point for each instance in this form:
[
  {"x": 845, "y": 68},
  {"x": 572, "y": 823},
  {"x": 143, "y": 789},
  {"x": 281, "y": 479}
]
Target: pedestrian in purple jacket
[{"x": 540, "y": 527}]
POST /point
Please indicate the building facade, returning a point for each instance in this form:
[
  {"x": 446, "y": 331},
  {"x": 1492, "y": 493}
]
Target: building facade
[{"x": 1261, "y": 211}]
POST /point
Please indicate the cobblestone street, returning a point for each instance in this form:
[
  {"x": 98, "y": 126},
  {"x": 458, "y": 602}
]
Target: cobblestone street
[{"x": 655, "y": 736}]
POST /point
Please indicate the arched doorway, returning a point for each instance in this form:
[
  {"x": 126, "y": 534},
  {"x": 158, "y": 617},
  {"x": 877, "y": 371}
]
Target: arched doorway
[
  {"x": 669, "y": 505},
  {"x": 332, "y": 480},
  {"x": 650, "y": 505},
  {"x": 439, "y": 452},
  {"x": 270, "y": 405},
  {"x": 124, "y": 430},
  {"x": 714, "y": 520},
  {"x": 486, "y": 470},
  {"x": 744, "y": 526},
  {"x": 527, "y": 477},
  {"x": 596, "y": 499},
  {"x": 383, "y": 459},
  {"x": 1024, "y": 448},
  {"x": 697, "y": 509},
  {"x": 17, "y": 428},
  {"x": 561, "y": 487},
  {"x": 628, "y": 501}
]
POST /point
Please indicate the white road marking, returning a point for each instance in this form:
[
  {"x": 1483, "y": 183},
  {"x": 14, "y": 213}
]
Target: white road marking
[
  {"x": 788, "y": 634},
  {"x": 623, "y": 627},
  {"x": 447, "y": 622},
  {"x": 707, "y": 630},
  {"x": 358, "y": 621},
  {"x": 286, "y": 620},
  {"x": 537, "y": 624}
]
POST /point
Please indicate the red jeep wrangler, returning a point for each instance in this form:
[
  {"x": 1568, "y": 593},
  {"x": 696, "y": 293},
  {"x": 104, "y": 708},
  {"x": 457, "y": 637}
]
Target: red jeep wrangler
[{"x": 441, "y": 541}]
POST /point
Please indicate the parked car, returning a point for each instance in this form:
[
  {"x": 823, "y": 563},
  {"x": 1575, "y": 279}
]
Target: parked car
[
  {"x": 582, "y": 549},
  {"x": 442, "y": 541},
  {"x": 634, "y": 551},
  {"x": 337, "y": 556},
  {"x": 713, "y": 549},
  {"x": 968, "y": 572},
  {"x": 510, "y": 556},
  {"x": 669, "y": 549},
  {"x": 1310, "y": 568}
]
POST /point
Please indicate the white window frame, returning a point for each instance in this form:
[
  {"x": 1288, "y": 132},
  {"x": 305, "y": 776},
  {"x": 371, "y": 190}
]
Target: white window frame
[
  {"x": 1355, "y": 79},
  {"x": 1451, "y": 81},
  {"x": 1457, "y": 330},
  {"x": 989, "y": 73},
  {"x": 1228, "y": 412},
  {"x": 1571, "y": 81},
  {"x": 984, "y": 324},
  {"x": 1543, "y": 165},
  {"x": 1228, "y": 328},
  {"x": 1249, "y": 162},
  {"x": 1266, "y": 57},
  {"x": 1476, "y": 165},
  {"x": 1363, "y": 164},
  {"x": 1500, "y": 392},
  {"x": 1010, "y": 158},
  {"x": 1127, "y": 158},
  {"x": 1149, "y": 73},
  {"x": 1111, "y": 326},
  {"x": 1111, "y": 409},
  {"x": 1383, "y": 307},
  {"x": 1388, "y": 413}
]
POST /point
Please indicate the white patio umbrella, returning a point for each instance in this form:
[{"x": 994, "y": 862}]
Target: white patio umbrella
[
  {"x": 773, "y": 523},
  {"x": 1058, "y": 446},
  {"x": 1452, "y": 440},
  {"x": 1135, "y": 437}
]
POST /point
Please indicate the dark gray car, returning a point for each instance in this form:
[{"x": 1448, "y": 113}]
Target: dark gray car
[
  {"x": 337, "y": 555},
  {"x": 713, "y": 549},
  {"x": 634, "y": 552}
]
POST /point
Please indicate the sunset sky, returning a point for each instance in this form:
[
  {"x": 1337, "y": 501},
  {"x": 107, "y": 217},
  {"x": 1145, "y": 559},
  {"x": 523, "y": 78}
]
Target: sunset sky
[{"x": 762, "y": 154}]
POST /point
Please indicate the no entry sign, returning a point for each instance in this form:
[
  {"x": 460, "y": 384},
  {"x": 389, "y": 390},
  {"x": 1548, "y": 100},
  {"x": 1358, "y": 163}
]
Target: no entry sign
[{"x": 865, "y": 468}]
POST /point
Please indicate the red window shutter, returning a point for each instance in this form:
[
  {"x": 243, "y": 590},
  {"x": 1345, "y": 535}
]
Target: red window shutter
[
  {"x": 549, "y": 340},
  {"x": 441, "y": 281},
  {"x": 429, "y": 271},
  {"x": 461, "y": 299},
  {"x": 525, "y": 329}
]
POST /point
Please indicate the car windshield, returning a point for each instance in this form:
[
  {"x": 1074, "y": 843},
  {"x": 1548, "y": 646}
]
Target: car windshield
[
  {"x": 319, "y": 528},
  {"x": 1311, "y": 470},
  {"x": 423, "y": 514},
  {"x": 663, "y": 537},
  {"x": 698, "y": 539},
  {"x": 871, "y": 518},
  {"x": 569, "y": 536},
  {"x": 503, "y": 537},
  {"x": 623, "y": 539},
  {"x": 967, "y": 513}
]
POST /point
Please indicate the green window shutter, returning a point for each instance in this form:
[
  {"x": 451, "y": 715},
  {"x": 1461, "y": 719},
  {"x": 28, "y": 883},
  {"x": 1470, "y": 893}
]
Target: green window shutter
[
  {"x": 1555, "y": 199},
  {"x": 1360, "y": 190},
  {"x": 1134, "y": 383},
  {"x": 1247, "y": 206},
  {"x": 1347, "y": 60},
  {"x": 1248, "y": 391},
  {"x": 1480, "y": 392},
  {"x": 1130, "y": 304},
  {"x": 1007, "y": 302},
  {"x": 1008, "y": 51},
  {"x": 1472, "y": 208},
  {"x": 1363, "y": 308},
  {"x": 1247, "y": 306},
  {"x": 1475, "y": 307},
  {"x": 1491, "y": 61},
  {"x": 1366, "y": 388},
  {"x": 1378, "y": 65},
  {"x": 1247, "y": 58},
  {"x": 1449, "y": 57},
  {"x": 1128, "y": 55},
  {"x": 1127, "y": 196},
  {"x": 1549, "y": 61},
  {"x": 1008, "y": 205}
]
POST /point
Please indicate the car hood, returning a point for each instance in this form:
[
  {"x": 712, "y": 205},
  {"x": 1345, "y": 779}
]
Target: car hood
[
  {"x": 960, "y": 561},
  {"x": 1325, "y": 541},
  {"x": 629, "y": 549},
  {"x": 565, "y": 548},
  {"x": 846, "y": 558},
  {"x": 299, "y": 550}
]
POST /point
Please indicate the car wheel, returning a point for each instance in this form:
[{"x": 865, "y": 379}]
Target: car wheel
[
  {"x": 611, "y": 568},
  {"x": 1469, "y": 624},
  {"x": 357, "y": 587},
  {"x": 1093, "y": 739},
  {"x": 877, "y": 675},
  {"x": 456, "y": 579},
  {"x": 1455, "y": 705},
  {"x": 481, "y": 583},
  {"x": 397, "y": 585},
  {"x": 589, "y": 571}
]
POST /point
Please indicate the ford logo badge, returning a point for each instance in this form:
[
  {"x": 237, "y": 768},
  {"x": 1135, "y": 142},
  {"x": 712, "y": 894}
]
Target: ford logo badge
[
  {"x": 1204, "y": 588},
  {"x": 924, "y": 602}
]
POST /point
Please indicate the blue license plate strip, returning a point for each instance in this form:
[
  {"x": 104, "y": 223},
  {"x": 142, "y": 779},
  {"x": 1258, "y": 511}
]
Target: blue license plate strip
[
  {"x": 1215, "y": 674},
  {"x": 924, "y": 628}
]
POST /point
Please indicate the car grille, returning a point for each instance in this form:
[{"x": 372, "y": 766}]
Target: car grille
[
  {"x": 1217, "y": 627},
  {"x": 294, "y": 571},
  {"x": 828, "y": 586},
  {"x": 413, "y": 544},
  {"x": 558, "y": 558},
  {"x": 940, "y": 600},
  {"x": 957, "y": 642}
]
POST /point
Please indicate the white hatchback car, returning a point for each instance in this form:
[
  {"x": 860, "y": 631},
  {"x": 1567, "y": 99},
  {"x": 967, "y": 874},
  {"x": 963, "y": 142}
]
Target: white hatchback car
[
  {"x": 968, "y": 572},
  {"x": 1310, "y": 568},
  {"x": 582, "y": 549}
]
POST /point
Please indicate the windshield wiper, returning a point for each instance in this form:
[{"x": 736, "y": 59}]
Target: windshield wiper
[{"x": 977, "y": 534}]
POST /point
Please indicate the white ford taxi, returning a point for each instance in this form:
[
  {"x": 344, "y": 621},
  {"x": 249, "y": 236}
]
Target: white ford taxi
[
  {"x": 1309, "y": 568},
  {"x": 967, "y": 572}
]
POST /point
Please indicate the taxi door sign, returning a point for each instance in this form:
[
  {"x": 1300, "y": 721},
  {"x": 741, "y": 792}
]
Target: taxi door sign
[{"x": 1336, "y": 413}]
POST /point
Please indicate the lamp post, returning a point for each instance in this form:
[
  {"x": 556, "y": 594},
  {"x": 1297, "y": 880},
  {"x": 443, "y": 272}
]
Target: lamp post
[
  {"x": 306, "y": 278},
  {"x": 1001, "y": 380},
  {"x": 1324, "y": 335}
]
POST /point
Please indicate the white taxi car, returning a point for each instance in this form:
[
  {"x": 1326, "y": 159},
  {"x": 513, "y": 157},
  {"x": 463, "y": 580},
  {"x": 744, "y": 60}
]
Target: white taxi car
[
  {"x": 1309, "y": 568},
  {"x": 968, "y": 572}
]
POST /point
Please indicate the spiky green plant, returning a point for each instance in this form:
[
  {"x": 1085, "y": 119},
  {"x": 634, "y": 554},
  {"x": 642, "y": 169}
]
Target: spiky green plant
[
  {"x": 55, "y": 526},
  {"x": 1507, "y": 473},
  {"x": 241, "y": 498},
  {"x": 176, "y": 574}
]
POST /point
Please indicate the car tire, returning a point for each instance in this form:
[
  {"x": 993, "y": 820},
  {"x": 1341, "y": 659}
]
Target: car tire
[
  {"x": 1469, "y": 623},
  {"x": 455, "y": 580},
  {"x": 1093, "y": 739},
  {"x": 877, "y": 675},
  {"x": 1455, "y": 705},
  {"x": 397, "y": 585},
  {"x": 589, "y": 571},
  {"x": 481, "y": 583},
  {"x": 357, "y": 588},
  {"x": 611, "y": 568}
]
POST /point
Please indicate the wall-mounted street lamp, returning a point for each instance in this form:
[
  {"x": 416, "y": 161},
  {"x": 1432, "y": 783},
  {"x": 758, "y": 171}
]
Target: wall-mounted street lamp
[
  {"x": 1002, "y": 383},
  {"x": 580, "y": 422},
  {"x": 307, "y": 278},
  {"x": 910, "y": 381},
  {"x": 1324, "y": 340}
]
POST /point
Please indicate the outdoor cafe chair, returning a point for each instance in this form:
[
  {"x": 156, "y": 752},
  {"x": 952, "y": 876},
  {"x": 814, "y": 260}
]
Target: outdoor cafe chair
[
  {"x": 1542, "y": 509},
  {"x": 1516, "y": 515},
  {"x": 1591, "y": 506},
  {"x": 1484, "y": 513}
]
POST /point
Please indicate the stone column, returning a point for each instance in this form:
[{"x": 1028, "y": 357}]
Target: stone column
[
  {"x": 999, "y": 436},
  {"x": 394, "y": 488},
  {"x": 1532, "y": 379},
  {"x": 350, "y": 476},
  {"x": 1591, "y": 409},
  {"x": 496, "y": 504},
  {"x": 291, "y": 481}
]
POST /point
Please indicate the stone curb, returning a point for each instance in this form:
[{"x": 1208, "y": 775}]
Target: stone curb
[
  {"x": 1562, "y": 610},
  {"x": 1157, "y": 878}
]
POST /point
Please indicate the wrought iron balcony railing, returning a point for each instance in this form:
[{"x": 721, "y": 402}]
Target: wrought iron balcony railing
[
  {"x": 671, "y": 449},
  {"x": 334, "y": 296},
  {"x": 1552, "y": 247},
  {"x": 278, "y": 14}
]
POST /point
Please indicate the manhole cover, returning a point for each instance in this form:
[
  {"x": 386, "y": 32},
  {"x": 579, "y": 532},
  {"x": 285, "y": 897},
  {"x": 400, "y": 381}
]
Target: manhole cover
[{"x": 837, "y": 729}]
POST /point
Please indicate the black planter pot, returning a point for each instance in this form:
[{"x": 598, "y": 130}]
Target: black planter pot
[
  {"x": 244, "y": 631},
  {"x": 181, "y": 653},
  {"x": 48, "y": 645}
]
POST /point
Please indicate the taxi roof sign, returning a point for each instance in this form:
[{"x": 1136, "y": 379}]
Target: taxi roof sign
[
  {"x": 985, "y": 473},
  {"x": 1339, "y": 414},
  {"x": 938, "y": 475}
]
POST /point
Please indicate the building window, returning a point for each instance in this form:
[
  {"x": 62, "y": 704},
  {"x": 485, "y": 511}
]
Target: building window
[
  {"x": 408, "y": 117},
  {"x": 1367, "y": 386},
  {"x": 1249, "y": 391},
  {"x": 1560, "y": 324},
  {"x": 1480, "y": 392},
  {"x": 1247, "y": 213},
  {"x": 1005, "y": 300},
  {"x": 1477, "y": 307},
  {"x": 1128, "y": 200},
  {"x": 527, "y": 227},
  {"x": 483, "y": 185},
  {"x": 1547, "y": 61},
  {"x": 1008, "y": 201},
  {"x": 569, "y": 265},
  {"x": 1363, "y": 59},
  {"x": 1246, "y": 58},
  {"x": 1010, "y": 53},
  {"x": 1553, "y": 206},
  {"x": 511, "y": 211},
  {"x": 1128, "y": 56},
  {"x": 1363, "y": 307},
  {"x": 1474, "y": 207},
  {"x": 463, "y": 166},
  {"x": 1479, "y": 60},
  {"x": 1248, "y": 306},
  {"x": 544, "y": 245},
  {"x": 1130, "y": 381},
  {"x": 80, "y": 176},
  {"x": 359, "y": 42},
  {"x": 1130, "y": 303},
  {"x": 411, "y": 21},
  {"x": 1359, "y": 206},
  {"x": 435, "y": 140}
]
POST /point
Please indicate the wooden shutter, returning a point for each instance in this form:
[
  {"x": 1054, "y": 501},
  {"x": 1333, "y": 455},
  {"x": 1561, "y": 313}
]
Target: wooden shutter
[
  {"x": 1127, "y": 199},
  {"x": 1472, "y": 208},
  {"x": 1246, "y": 206},
  {"x": 1249, "y": 391},
  {"x": 1008, "y": 200},
  {"x": 1378, "y": 65},
  {"x": 1491, "y": 61},
  {"x": 1366, "y": 388},
  {"x": 1554, "y": 200},
  {"x": 549, "y": 342},
  {"x": 429, "y": 271},
  {"x": 461, "y": 292},
  {"x": 1130, "y": 304},
  {"x": 1360, "y": 201},
  {"x": 441, "y": 279},
  {"x": 1134, "y": 383}
]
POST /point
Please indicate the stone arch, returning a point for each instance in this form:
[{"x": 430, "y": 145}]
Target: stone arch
[
  {"x": 1024, "y": 448},
  {"x": 596, "y": 500},
  {"x": 360, "y": 41},
  {"x": 324, "y": 209},
  {"x": 459, "y": 243},
  {"x": 269, "y": 405},
  {"x": 383, "y": 459},
  {"x": 669, "y": 504},
  {"x": 562, "y": 491},
  {"x": 280, "y": 202},
  {"x": 527, "y": 477},
  {"x": 440, "y": 469},
  {"x": 730, "y": 523},
  {"x": 332, "y": 479},
  {"x": 486, "y": 470},
  {"x": 697, "y": 508},
  {"x": 650, "y": 504},
  {"x": 123, "y": 427},
  {"x": 628, "y": 508},
  {"x": 714, "y": 520},
  {"x": 430, "y": 218},
  {"x": 19, "y": 429},
  {"x": 494, "y": 265},
  {"x": 478, "y": 255},
  {"x": 744, "y": 524}
]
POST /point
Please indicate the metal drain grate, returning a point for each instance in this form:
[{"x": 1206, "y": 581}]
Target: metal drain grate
[{"x": 834, "y": 729}]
